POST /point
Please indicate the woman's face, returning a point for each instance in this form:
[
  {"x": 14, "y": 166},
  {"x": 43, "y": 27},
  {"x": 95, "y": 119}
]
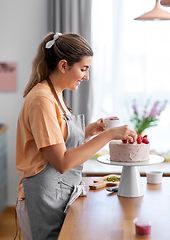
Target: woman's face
[{"x": 77, "y": 73}]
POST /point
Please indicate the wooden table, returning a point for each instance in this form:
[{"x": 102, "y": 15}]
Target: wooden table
[{"x": 104, "y": 216}]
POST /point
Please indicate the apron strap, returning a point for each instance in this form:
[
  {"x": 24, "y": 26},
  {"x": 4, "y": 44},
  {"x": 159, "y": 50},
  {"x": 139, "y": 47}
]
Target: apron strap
[{"x": 57, "y": 99}]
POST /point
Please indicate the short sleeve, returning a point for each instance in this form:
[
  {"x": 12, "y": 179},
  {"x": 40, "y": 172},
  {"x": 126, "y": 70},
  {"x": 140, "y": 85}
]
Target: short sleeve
[{"x": 45, "y": 122}]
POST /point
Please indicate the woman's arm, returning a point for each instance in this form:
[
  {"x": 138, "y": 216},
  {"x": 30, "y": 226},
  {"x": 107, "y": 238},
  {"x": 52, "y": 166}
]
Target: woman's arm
[{"x": 63, "y": 160}]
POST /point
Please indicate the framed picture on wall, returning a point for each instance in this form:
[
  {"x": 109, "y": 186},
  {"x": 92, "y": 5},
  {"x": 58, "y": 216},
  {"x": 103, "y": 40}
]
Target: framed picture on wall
[{"x": 8, "y": 76}]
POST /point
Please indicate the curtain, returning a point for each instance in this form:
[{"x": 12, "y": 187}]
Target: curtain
[
  {"x": 131, "y": 61},
  {"x": 74, "y": 16}
]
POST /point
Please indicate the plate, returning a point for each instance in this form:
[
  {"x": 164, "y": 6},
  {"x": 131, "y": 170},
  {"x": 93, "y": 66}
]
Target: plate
[{"x": 153, "y": 159}]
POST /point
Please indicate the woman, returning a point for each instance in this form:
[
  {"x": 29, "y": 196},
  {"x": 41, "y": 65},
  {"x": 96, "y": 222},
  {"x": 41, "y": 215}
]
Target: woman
[{"x": 51, "y": 145}]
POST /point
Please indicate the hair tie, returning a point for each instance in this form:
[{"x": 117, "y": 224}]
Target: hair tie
[{"x": 50, "y": 43}]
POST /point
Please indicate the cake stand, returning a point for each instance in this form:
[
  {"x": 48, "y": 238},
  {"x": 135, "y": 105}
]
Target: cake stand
[{"x": 130, "y": 182}]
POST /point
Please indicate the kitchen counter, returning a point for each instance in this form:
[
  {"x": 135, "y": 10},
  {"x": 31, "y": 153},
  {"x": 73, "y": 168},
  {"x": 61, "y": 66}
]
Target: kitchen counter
[
  {"x": 93, "y": 168},
  {"x": 104, "y": 216}
]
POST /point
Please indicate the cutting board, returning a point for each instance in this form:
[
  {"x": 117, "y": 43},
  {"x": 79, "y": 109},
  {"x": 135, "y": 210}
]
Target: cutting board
[{"x": 100, "y": 182}]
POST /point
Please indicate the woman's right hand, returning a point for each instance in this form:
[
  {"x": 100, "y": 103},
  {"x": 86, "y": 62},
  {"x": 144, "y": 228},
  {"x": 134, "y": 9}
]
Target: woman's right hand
[
  {"x": 63, "y": 160},
  {"x": 122, "y": 133}
]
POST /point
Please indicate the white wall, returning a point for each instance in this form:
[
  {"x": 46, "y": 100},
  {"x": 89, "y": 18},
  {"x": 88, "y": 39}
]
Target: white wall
[{"x": 23, "y": 25}]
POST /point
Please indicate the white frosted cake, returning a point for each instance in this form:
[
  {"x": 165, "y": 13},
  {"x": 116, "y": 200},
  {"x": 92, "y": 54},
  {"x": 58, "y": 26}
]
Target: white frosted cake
[{"x": 127, "y": 152}]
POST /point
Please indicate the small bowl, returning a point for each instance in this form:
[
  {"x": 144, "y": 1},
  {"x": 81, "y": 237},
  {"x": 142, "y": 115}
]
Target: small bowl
[
  {"x": 142, "y": 226},
  {"x": 111, "y": 122},
  {"x": 154, "y": 177}
]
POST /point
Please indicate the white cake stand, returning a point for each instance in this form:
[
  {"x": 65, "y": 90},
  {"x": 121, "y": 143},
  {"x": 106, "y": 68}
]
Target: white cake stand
[{"x": 130, "y": 182}]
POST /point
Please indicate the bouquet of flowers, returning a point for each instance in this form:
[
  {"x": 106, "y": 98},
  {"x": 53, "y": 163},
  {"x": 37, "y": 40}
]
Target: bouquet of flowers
[{"x": 148, "y": 118}]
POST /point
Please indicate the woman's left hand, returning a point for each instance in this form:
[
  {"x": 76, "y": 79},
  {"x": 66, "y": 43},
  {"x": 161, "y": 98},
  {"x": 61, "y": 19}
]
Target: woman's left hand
[{"x": 94, "y": 128}]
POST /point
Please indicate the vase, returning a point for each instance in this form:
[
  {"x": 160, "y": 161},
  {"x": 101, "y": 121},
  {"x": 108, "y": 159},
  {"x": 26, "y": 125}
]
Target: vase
[{"x": 141, "y": 133}]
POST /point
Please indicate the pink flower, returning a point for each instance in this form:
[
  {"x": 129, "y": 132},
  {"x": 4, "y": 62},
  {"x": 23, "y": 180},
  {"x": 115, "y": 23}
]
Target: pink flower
[
  {"x": 135, "y": 108},
  {"x": 161, "y": 108},
  {"x": 146, "y": 120},
  {"x": 153, "y": 111},
  {"x": 145, "y": 110}
]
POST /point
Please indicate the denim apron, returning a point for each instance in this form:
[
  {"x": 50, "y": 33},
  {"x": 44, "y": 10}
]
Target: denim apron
[{"x": 49, "y": 193}]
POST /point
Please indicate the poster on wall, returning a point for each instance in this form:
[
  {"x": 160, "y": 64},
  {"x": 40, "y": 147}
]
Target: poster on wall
[{"x": 8, "y": 76}]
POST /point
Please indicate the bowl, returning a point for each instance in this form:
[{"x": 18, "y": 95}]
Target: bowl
[
  {"x": 111, "y": 122},
  {"x": 142, "y": 226},
  {"x": 154, "y": 177}
]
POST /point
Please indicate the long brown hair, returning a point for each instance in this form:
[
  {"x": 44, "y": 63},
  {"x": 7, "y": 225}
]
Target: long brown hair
[{"x": 70, "y": 47}]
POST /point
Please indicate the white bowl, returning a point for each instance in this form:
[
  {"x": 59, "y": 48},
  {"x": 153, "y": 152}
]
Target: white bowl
[
  {"x": 111, "y": 122},
  {"x": 154, "y": 177}
]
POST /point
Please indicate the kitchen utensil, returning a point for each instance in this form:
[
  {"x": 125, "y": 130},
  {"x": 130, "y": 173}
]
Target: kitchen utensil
[
  {"x": 112, "y": 189},
  {"x": 102, "y": 182},
  {"x": 130, "y": 183},
  {"x": 111, "y": 122},
  {"x": 154, "y": 177}
]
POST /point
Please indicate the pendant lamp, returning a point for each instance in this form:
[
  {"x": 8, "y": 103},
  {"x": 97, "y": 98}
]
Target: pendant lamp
[{"x": 156, "y": 14}]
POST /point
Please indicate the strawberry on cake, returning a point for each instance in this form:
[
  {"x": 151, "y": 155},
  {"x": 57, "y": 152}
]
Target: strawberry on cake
[{"x": 124, "y": 151}]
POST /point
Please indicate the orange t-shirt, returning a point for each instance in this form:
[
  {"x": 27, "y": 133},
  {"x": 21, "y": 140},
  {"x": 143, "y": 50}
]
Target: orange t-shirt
[{"x": 40, "y": 124}]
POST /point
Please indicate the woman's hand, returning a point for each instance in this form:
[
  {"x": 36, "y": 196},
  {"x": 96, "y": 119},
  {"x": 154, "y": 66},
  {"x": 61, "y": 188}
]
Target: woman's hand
[
  {"x": 68, "y": 159},
  {"x": 122, "y": 133},
  {"x": 94, "y": 128}
]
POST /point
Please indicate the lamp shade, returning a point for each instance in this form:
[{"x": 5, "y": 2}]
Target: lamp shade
[{"x": 156, "y": 14}]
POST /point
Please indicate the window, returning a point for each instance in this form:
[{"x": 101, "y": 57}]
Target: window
[{"x": 131, "y": 61}]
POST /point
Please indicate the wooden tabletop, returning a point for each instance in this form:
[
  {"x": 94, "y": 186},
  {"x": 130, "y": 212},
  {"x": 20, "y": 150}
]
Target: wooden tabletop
[{"x": 104, "y": 216}]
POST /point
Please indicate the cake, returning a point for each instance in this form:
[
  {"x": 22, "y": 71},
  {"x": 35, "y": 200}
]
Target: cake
[{"x": 123, "y": 151}]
